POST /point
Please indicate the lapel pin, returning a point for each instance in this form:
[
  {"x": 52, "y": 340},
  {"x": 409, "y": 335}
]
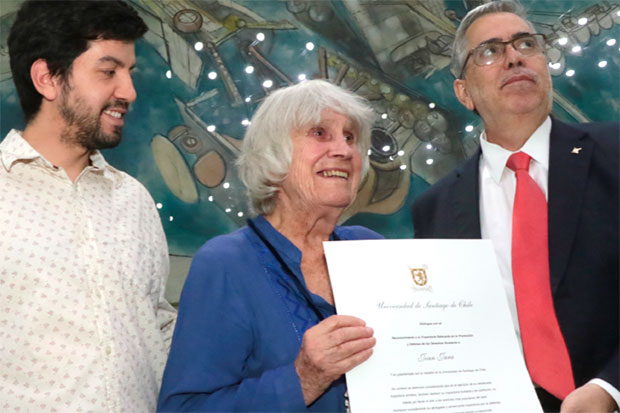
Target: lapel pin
[{"x": 576, "y": 150}]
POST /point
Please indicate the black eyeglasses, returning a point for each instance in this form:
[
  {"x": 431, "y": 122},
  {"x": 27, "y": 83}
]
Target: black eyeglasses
[{"x": 491, "y": 52}]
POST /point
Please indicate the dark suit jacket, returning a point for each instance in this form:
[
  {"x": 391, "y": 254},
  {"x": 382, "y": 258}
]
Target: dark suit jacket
[{"x": 583, "y": 237}]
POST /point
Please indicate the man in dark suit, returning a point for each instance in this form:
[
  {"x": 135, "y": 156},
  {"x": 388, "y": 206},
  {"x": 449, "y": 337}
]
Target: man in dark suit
[{"x": 502, "y": 74}]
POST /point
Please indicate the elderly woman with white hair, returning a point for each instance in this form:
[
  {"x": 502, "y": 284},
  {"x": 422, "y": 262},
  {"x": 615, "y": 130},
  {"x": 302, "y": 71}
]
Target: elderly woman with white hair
[{"x": 257, "y": 328}]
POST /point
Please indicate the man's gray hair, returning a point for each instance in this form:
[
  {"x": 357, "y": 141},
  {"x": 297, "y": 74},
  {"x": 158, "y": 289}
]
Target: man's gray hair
[
  {"x": 267, "y": 148},
  {"x": 459, "y": 47}
]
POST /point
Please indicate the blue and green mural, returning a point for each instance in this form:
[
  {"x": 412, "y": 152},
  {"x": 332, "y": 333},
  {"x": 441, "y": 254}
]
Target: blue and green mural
[{"x": 205, "y": 65}]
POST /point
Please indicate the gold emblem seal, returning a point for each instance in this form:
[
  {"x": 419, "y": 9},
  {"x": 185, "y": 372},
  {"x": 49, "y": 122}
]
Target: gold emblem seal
[{"x": 419, "y": 276}]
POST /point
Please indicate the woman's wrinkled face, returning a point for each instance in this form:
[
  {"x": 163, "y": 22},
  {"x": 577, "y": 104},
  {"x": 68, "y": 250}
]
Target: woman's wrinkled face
[{"x": 326, "y": 165}]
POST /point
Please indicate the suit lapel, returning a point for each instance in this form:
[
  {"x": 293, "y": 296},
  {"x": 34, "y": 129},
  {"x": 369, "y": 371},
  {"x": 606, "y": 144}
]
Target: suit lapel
[
  {"x": 466, "y": 204},
  {"x": 568, "y": 173}
]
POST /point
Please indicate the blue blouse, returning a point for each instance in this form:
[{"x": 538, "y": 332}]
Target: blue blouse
[{"x": 240, "y": 324}]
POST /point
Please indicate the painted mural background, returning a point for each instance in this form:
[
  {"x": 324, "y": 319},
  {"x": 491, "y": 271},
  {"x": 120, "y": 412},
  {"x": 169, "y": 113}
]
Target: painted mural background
[{"x": 205, "y": 65}]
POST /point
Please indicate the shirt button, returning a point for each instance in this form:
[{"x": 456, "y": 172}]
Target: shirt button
[{"x": 108, "y": 350}]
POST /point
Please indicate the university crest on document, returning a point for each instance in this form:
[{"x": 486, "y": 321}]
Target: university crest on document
[{"x": 419, "y": 274}]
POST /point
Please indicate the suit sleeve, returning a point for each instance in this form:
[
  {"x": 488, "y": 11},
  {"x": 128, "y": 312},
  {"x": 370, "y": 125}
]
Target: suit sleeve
[{"x": 610, "y": 373}]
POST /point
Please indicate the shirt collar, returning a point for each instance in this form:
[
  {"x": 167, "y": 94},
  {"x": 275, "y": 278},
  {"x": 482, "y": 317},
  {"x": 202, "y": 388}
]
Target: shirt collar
[
  {"x": 289, "y": 252},
  {"x": 537, "y": 147},
  {"x": 291, "y": 255},
  {"x": 99, "y": 164},
  {"x": 14, "y": 148}
]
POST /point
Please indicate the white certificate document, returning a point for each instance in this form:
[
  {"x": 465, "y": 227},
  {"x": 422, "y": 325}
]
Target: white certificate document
[{"x": 445, "y": 338}]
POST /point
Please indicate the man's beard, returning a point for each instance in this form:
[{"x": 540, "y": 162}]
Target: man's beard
[{"x": 83, "y": 124}]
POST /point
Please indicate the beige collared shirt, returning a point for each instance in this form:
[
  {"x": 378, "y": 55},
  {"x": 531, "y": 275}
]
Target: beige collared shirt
[{"x": 84, "y": 325}]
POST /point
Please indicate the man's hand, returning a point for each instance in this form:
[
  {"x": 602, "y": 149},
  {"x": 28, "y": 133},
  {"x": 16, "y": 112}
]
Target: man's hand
[
  {"x": 588, "y": 398},
  {"x": 330, "y": 349}
]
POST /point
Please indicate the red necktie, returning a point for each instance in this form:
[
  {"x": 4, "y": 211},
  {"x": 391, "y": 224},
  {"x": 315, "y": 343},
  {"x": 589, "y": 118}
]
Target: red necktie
[{"x": 545, "y": 351}]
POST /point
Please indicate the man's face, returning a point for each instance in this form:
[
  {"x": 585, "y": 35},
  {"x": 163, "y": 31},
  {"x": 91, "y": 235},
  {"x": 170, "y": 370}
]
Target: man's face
[
  {"x": 96, "y": 95},
  {"x": 514, "y": 85}
]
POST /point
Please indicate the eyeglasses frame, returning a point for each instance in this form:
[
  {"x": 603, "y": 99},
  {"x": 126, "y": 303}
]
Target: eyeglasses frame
[{"x": 504, "y": 43}]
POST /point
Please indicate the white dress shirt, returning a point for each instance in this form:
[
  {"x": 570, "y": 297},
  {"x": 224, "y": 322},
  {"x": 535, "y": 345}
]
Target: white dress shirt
[
  {"x": 497, "y": 191},
  {"x": 84, "y": 325}
]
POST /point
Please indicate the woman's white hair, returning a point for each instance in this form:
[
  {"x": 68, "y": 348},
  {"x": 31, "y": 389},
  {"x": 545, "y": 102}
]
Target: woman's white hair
[{"x": 267, "y": 148}]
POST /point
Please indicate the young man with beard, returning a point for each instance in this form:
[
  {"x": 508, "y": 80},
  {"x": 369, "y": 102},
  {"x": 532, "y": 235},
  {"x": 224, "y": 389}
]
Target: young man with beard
[
  {"x": 84, "y": 325},
  {"x": 546, "y": 193}
]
